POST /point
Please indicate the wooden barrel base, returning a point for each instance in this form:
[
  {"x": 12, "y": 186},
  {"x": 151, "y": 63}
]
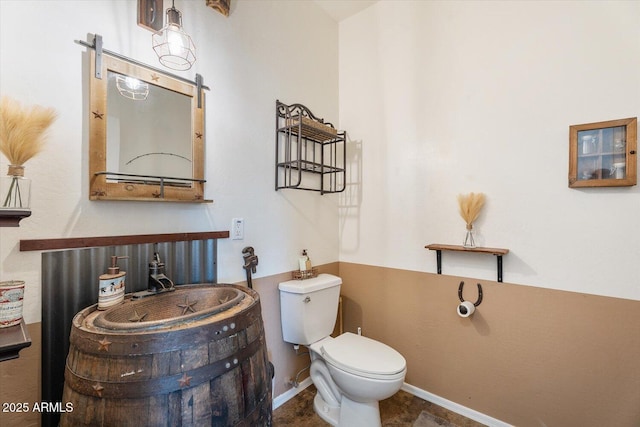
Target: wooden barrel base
[{"x": 209, "y": 372}]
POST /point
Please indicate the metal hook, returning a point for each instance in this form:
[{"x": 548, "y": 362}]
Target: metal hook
[{"x": 475, "y": 304}]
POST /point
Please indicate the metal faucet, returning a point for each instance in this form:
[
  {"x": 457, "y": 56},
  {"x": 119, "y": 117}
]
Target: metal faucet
[{"x": 158, "y": 282}]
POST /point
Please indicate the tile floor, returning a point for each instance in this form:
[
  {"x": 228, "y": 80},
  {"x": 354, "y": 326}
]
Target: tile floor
[{"x": 400, "y": 410}]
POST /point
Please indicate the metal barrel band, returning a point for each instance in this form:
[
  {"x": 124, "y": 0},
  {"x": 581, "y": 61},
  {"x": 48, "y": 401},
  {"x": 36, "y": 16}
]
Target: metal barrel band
[{"x": 162, "y": 385}]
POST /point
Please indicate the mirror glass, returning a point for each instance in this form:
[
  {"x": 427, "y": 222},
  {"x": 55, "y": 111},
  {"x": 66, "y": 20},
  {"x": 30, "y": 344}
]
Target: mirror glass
[
  {"x": 148, "y": 129},
  {"x": 146, "y": 134}
]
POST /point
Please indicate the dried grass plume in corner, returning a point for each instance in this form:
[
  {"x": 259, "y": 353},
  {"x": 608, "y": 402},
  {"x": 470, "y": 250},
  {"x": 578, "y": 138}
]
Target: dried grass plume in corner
[
  {"x": 22, "y": 130},
  {"x": 470, "y": 206}
]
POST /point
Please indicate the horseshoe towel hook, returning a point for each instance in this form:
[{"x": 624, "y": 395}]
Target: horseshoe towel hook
[
  {"x": 475, "y": 304},
  {"x": 466, "y": 308}
]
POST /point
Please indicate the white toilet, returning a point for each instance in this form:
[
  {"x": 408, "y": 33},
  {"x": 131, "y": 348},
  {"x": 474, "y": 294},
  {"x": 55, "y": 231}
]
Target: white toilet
[{"x": 352, "y": 373}]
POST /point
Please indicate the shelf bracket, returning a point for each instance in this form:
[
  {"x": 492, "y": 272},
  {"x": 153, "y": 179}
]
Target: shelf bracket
[{"x": 439, "y": 260}]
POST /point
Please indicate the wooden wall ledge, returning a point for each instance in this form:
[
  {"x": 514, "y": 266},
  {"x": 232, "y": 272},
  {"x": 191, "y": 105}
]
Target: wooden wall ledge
[
  {"x": 89, "y": 242},
  {"x": 12, "y": 340},
  {"x": 498, "y": 252},
  {"x": 480, "y": 249}
]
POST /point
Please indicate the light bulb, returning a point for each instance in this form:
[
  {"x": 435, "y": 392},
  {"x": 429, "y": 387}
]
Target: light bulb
[
  {"x": 175, "y": 40},
  {"x": 132, "y": 83}
]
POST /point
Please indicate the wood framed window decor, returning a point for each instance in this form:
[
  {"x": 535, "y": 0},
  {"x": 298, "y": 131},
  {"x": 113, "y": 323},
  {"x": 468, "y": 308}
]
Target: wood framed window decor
[{"x": 603, "y": 154}]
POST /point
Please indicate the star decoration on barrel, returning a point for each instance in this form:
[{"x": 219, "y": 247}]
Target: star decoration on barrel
[
  {"x": 97, "y": 114},
  {"x": 187, "y": 306},
  {"x": 136, "y": 318},
  {"x": 185, "y": 381},
  {"x": 103, "y": 344},
  {"x": 98, "y": 389}
]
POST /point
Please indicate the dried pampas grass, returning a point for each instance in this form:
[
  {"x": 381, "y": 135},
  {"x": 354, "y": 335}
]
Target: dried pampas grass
[
  {"x": 470, "y": 206},
  {"x": 22, "y": 130}
]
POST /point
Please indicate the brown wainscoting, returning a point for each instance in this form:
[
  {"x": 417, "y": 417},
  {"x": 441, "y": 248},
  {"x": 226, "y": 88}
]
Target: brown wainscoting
[
  {"x": 20, "y": 384},
  {"x": 528, "y": 356}
]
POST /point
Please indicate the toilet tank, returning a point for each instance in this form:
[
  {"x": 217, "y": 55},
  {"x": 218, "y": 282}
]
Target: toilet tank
[{"x": 308, "y": 308}]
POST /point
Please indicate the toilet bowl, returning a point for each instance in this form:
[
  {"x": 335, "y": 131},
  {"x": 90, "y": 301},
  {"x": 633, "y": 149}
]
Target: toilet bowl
[{"x": 352, "y": 373}]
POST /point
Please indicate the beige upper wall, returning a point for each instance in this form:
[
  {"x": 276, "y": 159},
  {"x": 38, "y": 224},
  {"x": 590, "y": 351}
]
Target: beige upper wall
[
  {"x": 447, "y": 97},
  {"x": 263, "y": 51}
]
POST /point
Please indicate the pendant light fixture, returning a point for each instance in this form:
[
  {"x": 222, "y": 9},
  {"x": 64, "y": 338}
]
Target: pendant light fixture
[{"x": 174, "y": 47}]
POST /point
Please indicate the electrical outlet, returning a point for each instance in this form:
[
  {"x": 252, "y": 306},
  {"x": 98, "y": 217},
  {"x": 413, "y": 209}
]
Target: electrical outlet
[{"x": 237, "y": 229}]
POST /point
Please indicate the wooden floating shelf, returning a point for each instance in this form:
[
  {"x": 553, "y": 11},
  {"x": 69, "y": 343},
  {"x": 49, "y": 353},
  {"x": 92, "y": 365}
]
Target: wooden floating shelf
[
  {"x": 12, "y": 340},
  {"x": 12, "y": 217},
  {"x": 492, "y": 251},
  {"x": 498, "y": 252}
]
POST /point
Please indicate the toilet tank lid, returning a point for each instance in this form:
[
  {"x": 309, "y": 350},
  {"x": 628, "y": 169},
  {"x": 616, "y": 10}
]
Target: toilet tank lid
[{"x": 323, "y": 281}]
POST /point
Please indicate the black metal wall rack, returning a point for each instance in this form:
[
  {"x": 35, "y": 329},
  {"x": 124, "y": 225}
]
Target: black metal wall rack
[{"x": 310, "y": 153}]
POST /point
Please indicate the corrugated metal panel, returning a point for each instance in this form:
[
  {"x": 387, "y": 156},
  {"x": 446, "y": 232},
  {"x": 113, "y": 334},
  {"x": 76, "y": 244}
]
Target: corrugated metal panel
[{"x": 70, "y": 283}]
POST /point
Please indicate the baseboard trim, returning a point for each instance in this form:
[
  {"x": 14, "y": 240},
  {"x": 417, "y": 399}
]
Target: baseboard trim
[
  {"x": 454, "y": 407},
  {"x": 418, "y": 392},
  {"x": 291, "y": 393}
]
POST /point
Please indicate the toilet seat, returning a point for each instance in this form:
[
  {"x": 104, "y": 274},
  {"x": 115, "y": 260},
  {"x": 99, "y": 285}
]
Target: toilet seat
[{"x": 363, "y": 356}]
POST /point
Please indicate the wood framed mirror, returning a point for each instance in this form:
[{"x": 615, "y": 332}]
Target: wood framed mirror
[{"x": 146, "y": 133}]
